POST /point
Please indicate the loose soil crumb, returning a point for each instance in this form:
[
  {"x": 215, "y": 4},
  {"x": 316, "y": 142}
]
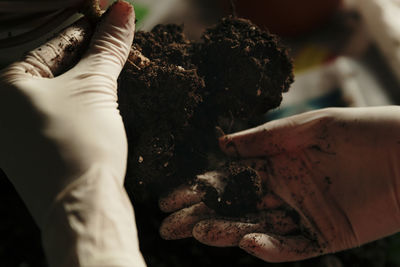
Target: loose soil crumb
[{"x": 239, "y": 192}]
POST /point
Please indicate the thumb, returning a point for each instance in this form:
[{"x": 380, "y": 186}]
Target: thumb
[
  {"x": 111, "y": 43},
  {"x": 276, "y": 137}
]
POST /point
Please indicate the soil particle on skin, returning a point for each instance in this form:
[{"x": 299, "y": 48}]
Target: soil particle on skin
[
  {"x": 70, "y": 48},
  {"x": 328, "y": 180}
]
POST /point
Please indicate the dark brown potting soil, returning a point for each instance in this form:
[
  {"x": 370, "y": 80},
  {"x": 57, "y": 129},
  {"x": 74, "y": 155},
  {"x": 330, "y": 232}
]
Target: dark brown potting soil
[
  {"x": 238, "y": 193},
  {"x": 172, "y": 105},
  {"x": 172, "y": 97}
]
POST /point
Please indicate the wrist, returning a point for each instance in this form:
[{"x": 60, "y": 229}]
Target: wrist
[{"x": 89, "y": 220}]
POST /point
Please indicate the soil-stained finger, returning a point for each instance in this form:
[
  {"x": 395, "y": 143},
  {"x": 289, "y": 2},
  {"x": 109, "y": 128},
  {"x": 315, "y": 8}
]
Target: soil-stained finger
[
  {"x": 223, "y": 233},
  {"x": 182, "y": 197},
  {"x": 280, "y": 248},
  {"x": 59, "y": 53},
  {"x": 180, "y": 224},
  {"x": 111, "y": 42}
]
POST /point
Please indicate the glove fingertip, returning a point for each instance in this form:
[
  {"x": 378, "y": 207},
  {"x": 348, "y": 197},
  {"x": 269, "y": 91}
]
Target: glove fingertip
[
  {"x": 182, "y": 197},
  {"x": 165, "y": 205},
  {"x": 259, "y": 245},
  {"x": 279, "y": 248},
  {"x": 242, "y": 144},
  {"x": 111, "y": 43},
  {"x": 249, "y": 242},
  {"x": 120, "y": 14}
]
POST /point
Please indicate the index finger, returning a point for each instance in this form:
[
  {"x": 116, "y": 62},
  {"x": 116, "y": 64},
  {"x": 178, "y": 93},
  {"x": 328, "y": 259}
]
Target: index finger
[
  {"x": 182, "y": 197},
  {"x": 56, "y": 55}
]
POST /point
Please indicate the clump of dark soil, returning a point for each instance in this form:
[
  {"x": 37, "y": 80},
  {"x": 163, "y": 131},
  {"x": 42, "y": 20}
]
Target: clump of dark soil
[
  {"x": 238, "y": 192},
  {"x": 172, "y": 98},
  {"x": 173, "y": 103},
  {"x": 246, "y": 70}
]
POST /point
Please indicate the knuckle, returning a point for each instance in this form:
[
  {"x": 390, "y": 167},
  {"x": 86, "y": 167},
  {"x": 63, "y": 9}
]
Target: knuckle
[
  {"x": 19, "y": 71},
  {"x": 112, "y": 49}
]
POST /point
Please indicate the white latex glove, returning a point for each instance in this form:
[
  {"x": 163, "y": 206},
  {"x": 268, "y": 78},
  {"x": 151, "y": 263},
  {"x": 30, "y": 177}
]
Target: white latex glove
[
  {"x": 338, "y": 169},
  {"x": 64, "y": 148}
]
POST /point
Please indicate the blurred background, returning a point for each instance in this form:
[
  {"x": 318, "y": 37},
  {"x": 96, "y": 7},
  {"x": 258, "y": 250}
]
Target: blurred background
[{"x": 345, "y": 53}]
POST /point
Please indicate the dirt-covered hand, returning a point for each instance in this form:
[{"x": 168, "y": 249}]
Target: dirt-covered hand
[
  {"x": 330, "y": 181},
  {"x": 63, "y": 144}
]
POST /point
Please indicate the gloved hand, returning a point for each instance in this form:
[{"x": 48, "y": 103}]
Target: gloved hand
[
  {"x": 331, "y": 182},
  {"x": 63, "y": 143}
]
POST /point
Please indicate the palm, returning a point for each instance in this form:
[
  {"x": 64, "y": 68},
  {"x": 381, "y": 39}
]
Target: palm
[{"x": 330, "y": 184}]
